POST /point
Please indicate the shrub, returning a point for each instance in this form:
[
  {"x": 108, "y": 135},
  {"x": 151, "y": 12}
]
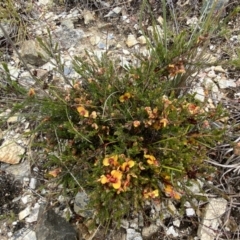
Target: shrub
[{"x": 134, "y": 134}]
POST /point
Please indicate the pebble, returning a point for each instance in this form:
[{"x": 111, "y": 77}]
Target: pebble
[
  {"x": 24, "y": 213},
  {"x": 190, "y": 212},
  {"x": 171, "y": 231},
  {"x": 131, "y": 40},
  {"x": 33, "y": 183},
  {"x": 142, "y": 40}
]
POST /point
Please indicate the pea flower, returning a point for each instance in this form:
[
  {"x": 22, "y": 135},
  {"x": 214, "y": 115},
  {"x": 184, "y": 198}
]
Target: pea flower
[
  {"x": 114, "y": 179},
  {"x": 151, "y": 160},
  {"x": 127, "y": 165},
  {"x": 169, "y": 191},
  {"x": 111, "y": 161},
  {"x": 125, "y": 97},
  {"x": 147, "y": 193},
  {"x": 82, "y": 111}
]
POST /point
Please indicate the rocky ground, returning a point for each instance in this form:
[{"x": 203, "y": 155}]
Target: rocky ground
[{"x": 32, "y": 207}]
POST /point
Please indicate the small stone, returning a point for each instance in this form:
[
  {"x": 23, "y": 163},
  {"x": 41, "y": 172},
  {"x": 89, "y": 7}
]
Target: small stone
[
  {"x": 171, "y": 231},
  {"x": 131, "y": 40},
  {"x": 26, "y": 199},
  {"x": 224, "y": 83},
  {"x": 219, "y": 69},
  {"x": 124, "y": 223},
  {"x": 80, "y": 205},
  {"x": 94, "y": 40},
  {"x": 25, "y": 233},
  {"x": 13, "y": 119},
  {"x": 208, "y": 228},
  {"x": 199, "y": 93},
  {"x": 190, "y": 212},
  {"x": 160, "y": 20},
  {"x": 11, "y": 152},
  {"x": 126, "y": 52},
  {"x": 149, "y": 231},
  {"x": 142, "y": 40},
  {"x": 211, "y": 74},
  {"x": 133, "y": 235},
  {"x": 88, "y": 16},
  {"x": 34, "y": 214},
  {"x": 33, "y": 183},
  {"x": 176, "y": 223},
  {"x": 24, "y": 213}
]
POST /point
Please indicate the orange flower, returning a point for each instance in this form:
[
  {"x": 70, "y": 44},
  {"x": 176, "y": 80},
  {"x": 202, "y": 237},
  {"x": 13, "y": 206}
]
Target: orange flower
[
  {"x": 114, "y": 179},
  {"x": 127, "y": 165},
  {"x": 175, "y": 69},
  {"x": 193, "y": 109},
  {"x": 55, "y": 172},
  {"x": 125, "y": 97},
  {"x": 150, "y": 194},
  {"x": 136, "y": 123},
  {"x": 171, "y": 193},
  {"x": 93, "y": 115},
  {"x": 82, "y": 111},
  {"x": 113, "y": 161},
  {"x": 151, "y": 160},
  {"x": 31, "y": 92}
]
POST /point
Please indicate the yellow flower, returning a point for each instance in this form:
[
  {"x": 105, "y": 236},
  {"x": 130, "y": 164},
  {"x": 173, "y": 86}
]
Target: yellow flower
[
  {"x": 171, "y": 193},
  {"x": 151, "y": 160},
  {"x": 136, "y": 123},
  {"x": 164, "y": 122},
  {"x": 193, "y": 109},
  {"x": 93, "y": 115},
  {"x": 31, "y": 92},
  {"x": 175, "y": 69},
  {"x": 82, "y": 111},
  {"x": 150, "y": 194},
  {"x": 127, "y": 165},
  {"x": 125, "y": 97},
  {"x": 116, "y": 177},
  {"x": 103, "y": 179},
  {"x": 113, "y": 161}
]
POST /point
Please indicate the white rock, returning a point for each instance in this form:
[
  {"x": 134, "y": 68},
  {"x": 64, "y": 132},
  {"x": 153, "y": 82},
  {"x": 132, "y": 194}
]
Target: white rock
[
  {"x": 176, "y": 223},
  {"x": 150, "y": 230},
  {"x": 211, "y": 74},
  {"x": 133, "y": 235},
  {"x": 94, "y": 40},
  {"x": 200, "y": 95},
  {"x": 160, "y": 20},
  {"x": 195, "y": 186},
  {"x": 88, "y": 16},
  {"x": 190, "y": 212},
  {"x": 223, "y": 83},
  {"x": 34, "y": 214},
  {"x": 10, "y": 152},
  {"x": 33, "y": 183},
  {"x": 124, "y": 223},
  {"x": 192, "y": 21},
  {"x": 26, "y": 199},
  {"x": 208, "y": 228},
  {"x": 24, "y": 213},
  {"x": 131, "y": 40},
  {"x": 171, "y": 231},
  {"x": 219, "y": 69},
  {"x": 142, "y": 40},
  {"x": 126, "y": 52},
  {"x": 45, "y": 2}
]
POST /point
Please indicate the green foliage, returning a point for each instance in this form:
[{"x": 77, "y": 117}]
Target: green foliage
[{"x": 130, "y": 135}]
